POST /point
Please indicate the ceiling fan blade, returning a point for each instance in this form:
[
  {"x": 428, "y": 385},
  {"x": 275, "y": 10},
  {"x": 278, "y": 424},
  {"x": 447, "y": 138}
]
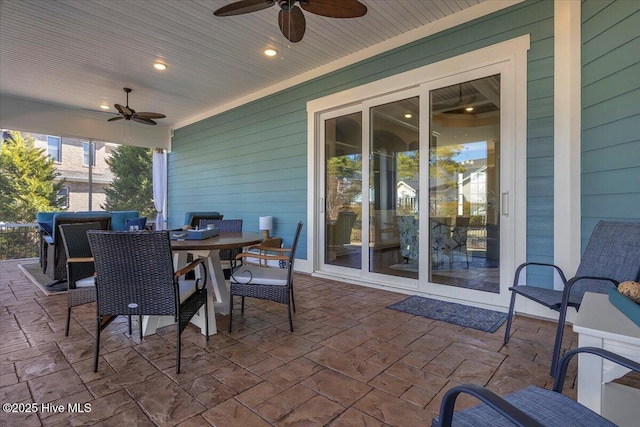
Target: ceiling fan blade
[
  {"x": 143, "y": 120},
  {"x": 335, "y": 8},
  {"x": 125, "y": 111},
  {"x": 147, "y": 115},
  {"x": 292, "y": 24},
  {"x": 113, "y": 119},
  {"x": 243, "y": 6}
]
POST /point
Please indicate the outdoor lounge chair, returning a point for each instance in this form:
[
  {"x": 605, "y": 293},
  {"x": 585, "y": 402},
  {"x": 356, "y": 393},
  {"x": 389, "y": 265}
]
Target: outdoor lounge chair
[
  {"x": 530, "y": 407},
  {"x": 262, "y": 281},
  {"x": 135, "y": 276},
  {"x": 612, "y": 256}
]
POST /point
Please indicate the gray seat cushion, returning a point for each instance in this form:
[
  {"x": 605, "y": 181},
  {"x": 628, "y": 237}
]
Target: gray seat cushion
[{"x": 545, "y": 406}]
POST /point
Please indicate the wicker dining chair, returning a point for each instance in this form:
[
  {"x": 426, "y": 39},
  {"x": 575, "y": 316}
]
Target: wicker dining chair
[
  {"x": 228, "y": 255},
  {"x": 262, "y": 281},
  {"x": 135, "y": 276},
  {"x": 81, "y": 288}
]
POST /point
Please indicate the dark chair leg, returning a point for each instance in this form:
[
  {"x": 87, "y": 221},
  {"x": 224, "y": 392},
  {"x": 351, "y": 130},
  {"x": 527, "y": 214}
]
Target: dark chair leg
[
  {"x": 290, "y": 319},
  {"x": 206, "y": 318},
  {"x": 66, "y": 333},
  {"x": 95, "y": 359},
  {"x": 178, "y": 348},
  {"x": 230, "y": 311},
  {"x": 293, "y": 302},
  {"x": 507, "y": 330},
  {"x": 557, "y": 346},
  {"x": 130, "y": 330},
  {"x": 140, "y": 321},
  {"x": 242, "y": 307}
]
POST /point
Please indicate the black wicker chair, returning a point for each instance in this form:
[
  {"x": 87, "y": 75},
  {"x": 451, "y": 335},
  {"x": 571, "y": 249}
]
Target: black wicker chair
[
  {"x": 265, "y": 282},
  {"x": 81, "y": 287},
  {"x": 56, "y": 258},
  {"x": 226, "y": 226},
  {"x": 135, "y": 276}
]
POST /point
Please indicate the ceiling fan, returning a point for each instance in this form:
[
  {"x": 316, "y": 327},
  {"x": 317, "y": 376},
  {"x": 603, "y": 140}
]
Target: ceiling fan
[
  {"x": 291, "y": 20},
  {"x": 131, "y": 114}
]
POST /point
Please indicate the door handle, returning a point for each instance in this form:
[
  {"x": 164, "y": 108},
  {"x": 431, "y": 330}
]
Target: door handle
[{"x": 505, "y": 204}]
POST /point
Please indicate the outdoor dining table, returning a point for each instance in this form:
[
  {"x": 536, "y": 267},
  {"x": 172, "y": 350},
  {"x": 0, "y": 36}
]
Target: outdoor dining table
[{"x": 218, "y": 295}]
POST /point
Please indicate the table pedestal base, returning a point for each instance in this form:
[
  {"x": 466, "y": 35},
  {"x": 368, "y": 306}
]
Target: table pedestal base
[{"x": 217, "y": 294}]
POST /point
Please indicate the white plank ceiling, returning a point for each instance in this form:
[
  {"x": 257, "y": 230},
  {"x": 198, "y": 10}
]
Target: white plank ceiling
[{"x": 81, "y": 53}]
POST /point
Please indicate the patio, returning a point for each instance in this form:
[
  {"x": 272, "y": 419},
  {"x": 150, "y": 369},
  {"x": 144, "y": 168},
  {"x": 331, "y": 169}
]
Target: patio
[{"x": 349, "y": 362}]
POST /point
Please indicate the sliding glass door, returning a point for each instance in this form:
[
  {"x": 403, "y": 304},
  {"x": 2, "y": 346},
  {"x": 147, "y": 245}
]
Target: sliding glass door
[
  {"x": 443, "y": 235},
  {"x": 394, "y": 172},
  {"x": 464, "y": 180},
  {"x": 343, "y": 191}
]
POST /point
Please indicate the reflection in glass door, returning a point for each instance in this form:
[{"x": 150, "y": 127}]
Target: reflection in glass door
[
  {"x": 343, "y": 191},
  {"x": 394, "y": 172},
  {"x": 464, "y": 184}
]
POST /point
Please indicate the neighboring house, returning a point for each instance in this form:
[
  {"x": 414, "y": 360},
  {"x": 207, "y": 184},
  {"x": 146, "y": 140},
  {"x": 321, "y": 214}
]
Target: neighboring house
[{"x": 82, "y": 165}]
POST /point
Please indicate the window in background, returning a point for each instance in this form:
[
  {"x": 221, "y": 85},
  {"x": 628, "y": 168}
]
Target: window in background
[
  {"x": 54, "y": 148},
  {"x": 63, "y": 196}
]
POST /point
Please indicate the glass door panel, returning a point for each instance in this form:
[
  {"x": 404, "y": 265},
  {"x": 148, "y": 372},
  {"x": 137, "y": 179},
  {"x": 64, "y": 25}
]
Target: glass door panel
[
  {"x": 343, "y": 191},
  {"x": 464, "y": 184},
  {"x": 394, "y": 172}
]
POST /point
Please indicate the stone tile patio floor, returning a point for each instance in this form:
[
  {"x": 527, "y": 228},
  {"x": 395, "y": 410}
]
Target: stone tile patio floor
[{"x": 349, "y": 362}]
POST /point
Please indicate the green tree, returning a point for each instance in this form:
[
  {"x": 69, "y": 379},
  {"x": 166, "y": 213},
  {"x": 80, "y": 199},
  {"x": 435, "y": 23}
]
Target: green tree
[
  {"x": 344, "y": 181},
  {"x": 443, "y": 172},
  {"x": 408, "y": 165},
  {"x": 27, "y": 179},
  {"x": 132, "y": 185}
]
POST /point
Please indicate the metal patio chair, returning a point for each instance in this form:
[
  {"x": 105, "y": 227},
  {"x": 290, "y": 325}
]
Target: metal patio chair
[
  {"x": 612, "y": 256},
  {"x": 530, "y": 407}
]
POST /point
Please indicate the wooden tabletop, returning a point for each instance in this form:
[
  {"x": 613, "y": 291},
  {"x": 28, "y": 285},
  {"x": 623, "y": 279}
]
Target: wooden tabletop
[{"x": 222, "y": 241}]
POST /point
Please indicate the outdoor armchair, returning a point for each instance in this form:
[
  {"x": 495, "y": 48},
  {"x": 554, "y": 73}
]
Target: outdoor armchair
[
  {"x": 135, "y": 276},
  {"x": 56, "y": 258},
  {"x": 81, "y": 288},
  {"x": 612, "y": 256},
  {"x": 226, "y": 226},
  {"x": 263, "y": 280},
  {"x": 530, "y": 407},
  {"x": 193, "y": 219}
]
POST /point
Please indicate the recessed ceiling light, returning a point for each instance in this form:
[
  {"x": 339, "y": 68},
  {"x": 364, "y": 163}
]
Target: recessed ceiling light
[
  {"x": 270, "y": 52},
  {"x": 104, "y": 106},
  {"x": 159, "y": 66},
  {"x": 468, "y": 109},
  {"x": 408, "y": 116}
]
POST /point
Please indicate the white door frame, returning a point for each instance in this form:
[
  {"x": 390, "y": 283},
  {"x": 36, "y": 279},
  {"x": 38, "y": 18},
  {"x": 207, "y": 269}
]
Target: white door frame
[{"x": 509, "y": 59}]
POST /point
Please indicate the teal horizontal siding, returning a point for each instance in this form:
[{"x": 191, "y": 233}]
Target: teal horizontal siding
[
  {"x": 610, "y": 113},
  {"x": 252, "y": 160}
]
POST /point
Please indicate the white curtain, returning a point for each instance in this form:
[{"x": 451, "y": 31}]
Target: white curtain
[{"x": 159, "y": 185}]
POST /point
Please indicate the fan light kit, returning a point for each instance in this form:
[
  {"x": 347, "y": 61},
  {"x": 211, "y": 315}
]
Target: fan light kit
[
  {"x": 290, "y": 18},
  {"x": 131, "y": 114},
  {"x": 270, "y": 52}
]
